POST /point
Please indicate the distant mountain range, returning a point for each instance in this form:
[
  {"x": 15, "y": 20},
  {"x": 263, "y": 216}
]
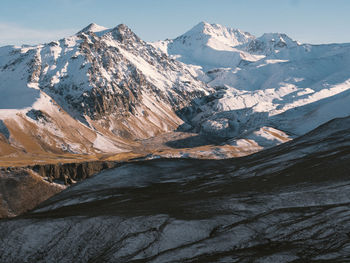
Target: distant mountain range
[
  {"x": 271, "y": 80},
  {"x": 102, "y": 90}
]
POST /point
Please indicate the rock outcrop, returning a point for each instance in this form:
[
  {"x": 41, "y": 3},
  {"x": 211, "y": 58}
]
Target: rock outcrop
[
  {"x": 97, "y": 91},
  {"x": 22, "y": 189}
]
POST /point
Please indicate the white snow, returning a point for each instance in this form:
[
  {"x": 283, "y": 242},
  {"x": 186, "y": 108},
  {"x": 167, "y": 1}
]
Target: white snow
[
  {"x": 264, "y": 82},
  {"x": 105, "y": 145},
  {"x": 293, "y": 86},
  {"x": 209, "y": 46},
  {"x": 264, "y": 137}
]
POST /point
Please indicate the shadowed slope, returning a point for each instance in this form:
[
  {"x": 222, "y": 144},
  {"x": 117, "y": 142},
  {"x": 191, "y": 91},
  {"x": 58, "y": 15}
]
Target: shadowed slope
[{"x": 286, "y": 204}]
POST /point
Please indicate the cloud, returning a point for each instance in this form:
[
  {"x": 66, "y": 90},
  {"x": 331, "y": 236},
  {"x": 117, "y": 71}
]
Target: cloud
[{"x": 11, "y": 34}]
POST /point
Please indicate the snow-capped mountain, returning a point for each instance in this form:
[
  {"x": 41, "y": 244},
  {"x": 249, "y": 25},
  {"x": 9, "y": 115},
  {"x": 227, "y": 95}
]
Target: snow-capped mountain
[
  {"x": 213, "y": 46},
  {"x": 213, "y": 92},
  {"x": 209, "y": 46},
  {"x": 95, "y": 91},
  {"x": 263, "y": 83},
  {"x": 270, "y": 43},
  {"x": 102, "y": 90}
]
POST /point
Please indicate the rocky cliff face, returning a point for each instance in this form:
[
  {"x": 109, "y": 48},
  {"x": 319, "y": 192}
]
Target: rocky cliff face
[
  {"x": 113, "y": 87},
  {"x": 22, "y": 189},
  {"x": 68, "y": 173},
  {"x": 120, "y": 68}
]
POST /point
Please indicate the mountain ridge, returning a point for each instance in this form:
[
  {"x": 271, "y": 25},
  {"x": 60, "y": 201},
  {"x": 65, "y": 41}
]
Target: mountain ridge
[
  {"x": 112, "y": 90},
  {"x": 105, "y": 100},
  {"x": 270, "y": 206},
  {"x": 271, "y": 81},
  {"x": 113, "y": 83}
]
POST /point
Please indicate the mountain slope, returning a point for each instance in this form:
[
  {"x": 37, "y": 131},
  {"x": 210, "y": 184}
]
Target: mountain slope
[
  {"x": 209, "y": 46},
  {"x": 288, "y": 86},
  {"x": 272, "y": 206},
  {"x": 296, "y": 86},
  {"x": 96, "y": 91},
  {"x": 103, "y": 90}
]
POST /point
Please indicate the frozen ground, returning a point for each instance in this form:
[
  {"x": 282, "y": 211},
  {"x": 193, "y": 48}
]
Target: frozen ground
[{"x": 286, "y": 204}]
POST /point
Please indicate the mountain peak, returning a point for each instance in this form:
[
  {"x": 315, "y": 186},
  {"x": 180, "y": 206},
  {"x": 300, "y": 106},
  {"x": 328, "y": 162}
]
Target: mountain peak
[
  {"x": 270, "y": 42},
  {"x": 223, "y": 35},
  {"x": 204, "y": 28},
  {"x": 122, "y": 27},
  {"x": 207, "y": 28},
  {"x": 92, "y": 28},
  {"x": 201, "y": 25},
  {"x": 122, "y": 33},
  {"x": 275, "y": 37}
]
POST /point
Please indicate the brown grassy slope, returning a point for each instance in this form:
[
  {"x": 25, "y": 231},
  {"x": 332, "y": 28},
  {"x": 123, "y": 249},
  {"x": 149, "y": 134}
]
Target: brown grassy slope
[{"x": 22, "y": 190}]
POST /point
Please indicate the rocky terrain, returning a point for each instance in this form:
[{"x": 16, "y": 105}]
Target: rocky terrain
[
  {"x": 286, "y": 204},
  {"x": 264, "y": 85},
  {"x": 23, "y": 188},
  {"x": 103, "y": 91},
  {"x": 107, "y": 148},
  {"x": 94, "y": 92}
]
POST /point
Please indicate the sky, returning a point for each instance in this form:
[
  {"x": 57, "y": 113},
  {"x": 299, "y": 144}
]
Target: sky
[{"x": 308, "y": 21}]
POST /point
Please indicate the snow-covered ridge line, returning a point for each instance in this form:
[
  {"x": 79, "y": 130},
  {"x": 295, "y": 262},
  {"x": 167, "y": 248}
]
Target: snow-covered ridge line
[
  {"x": 271, "y": 80},
  {"x": 99, "y": 79},
  {"x": 116, "y": 88},
  {"x": 213, "y": 46}
]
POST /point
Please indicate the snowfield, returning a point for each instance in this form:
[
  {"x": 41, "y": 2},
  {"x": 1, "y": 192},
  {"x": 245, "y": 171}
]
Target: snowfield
[
  {"x": 219, "y": 82},
  {"x": 270, "y": 80}
]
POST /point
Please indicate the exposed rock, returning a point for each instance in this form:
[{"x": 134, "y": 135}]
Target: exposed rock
[
  {"x": 21, "y": 189},
  {"x": 70, "y": 172},
  {"x": 38, "y": 115},
  {"x": 286, "y": 204},
  {"x": 3, "y": 130},
  {"x": 107, "y": 82}
]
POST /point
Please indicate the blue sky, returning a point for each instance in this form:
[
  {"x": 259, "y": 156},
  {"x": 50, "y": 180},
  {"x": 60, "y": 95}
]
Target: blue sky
[{"x": 311, "y": 21}]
